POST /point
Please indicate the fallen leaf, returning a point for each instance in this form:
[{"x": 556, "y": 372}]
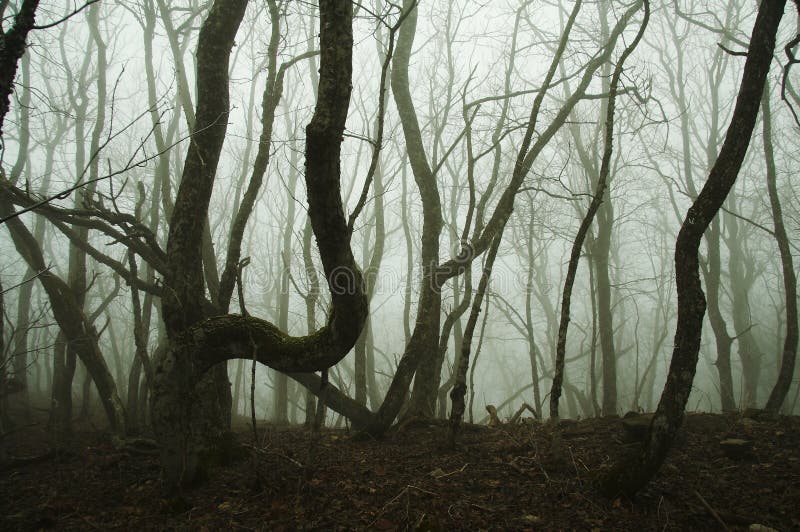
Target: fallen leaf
[{"x": 437, "y": 473}]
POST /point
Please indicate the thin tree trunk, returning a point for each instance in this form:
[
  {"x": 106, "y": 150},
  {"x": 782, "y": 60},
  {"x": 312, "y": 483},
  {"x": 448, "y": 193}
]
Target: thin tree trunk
[
  {"x": 60, "y": 420},
  {"x": 315, "y": 413},
  {"x": 460, "y": 387},
  {"x": 280, "y": 397},
  {"x": 79, "y": 333},
  {"x": 789, "y": 354},
  {"x": 718, "y": 324},
  {"x": 20, "y": 353},
  {"x": 577, "y": 245}
]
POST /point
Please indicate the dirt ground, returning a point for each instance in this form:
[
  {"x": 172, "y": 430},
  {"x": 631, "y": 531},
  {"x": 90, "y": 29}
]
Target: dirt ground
[{"x": 501, "y": 478}]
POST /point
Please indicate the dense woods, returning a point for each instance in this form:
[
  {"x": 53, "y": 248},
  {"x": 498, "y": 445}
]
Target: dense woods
[{"x": 369, "y": 215}]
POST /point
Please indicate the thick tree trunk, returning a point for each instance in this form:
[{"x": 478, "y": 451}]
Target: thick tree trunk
[
  {"x": 12, "y": 47},
  {"x": 188, "y": 258},
  {"x": 631, "y": 474},
  {"x": 196, "y": 344},
  {"x": 184, "y": 302}
]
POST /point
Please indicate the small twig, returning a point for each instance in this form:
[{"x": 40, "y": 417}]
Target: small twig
[
  {"x": 575, "y": 465},
  {"x": 31, "y": 278},
  {"x": 64, "y": 19},
  {"x": 711, "y": 511},
  {"x": 744, "y": 331},
  {"x": 396, "y": 497},
  {"x": 453, "y": 472},
  {"x": 731, "y": 52},
  {"x": 276, "y": 453},
  {"x": 513, "y": 465}
]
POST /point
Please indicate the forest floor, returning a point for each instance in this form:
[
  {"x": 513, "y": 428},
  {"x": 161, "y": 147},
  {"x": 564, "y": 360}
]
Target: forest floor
[{"x": 500, "y": 478}]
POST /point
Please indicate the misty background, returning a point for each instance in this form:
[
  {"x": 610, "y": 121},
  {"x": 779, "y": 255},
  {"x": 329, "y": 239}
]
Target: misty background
[{"x": 110, "y": 92}]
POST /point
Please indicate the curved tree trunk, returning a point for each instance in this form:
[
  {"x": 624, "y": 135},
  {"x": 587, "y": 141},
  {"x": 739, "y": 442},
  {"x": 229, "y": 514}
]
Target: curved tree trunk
[
  {"x": 577, "y": 245},
  {"x": 633, "y": 473},
  {"x": 424, "y": 339},
  {"x": 197, "y": 343},
  {"x": 711, "y": 271},
  {"x": 789, "y": 354},
  {"x": 434, "y": 277}
]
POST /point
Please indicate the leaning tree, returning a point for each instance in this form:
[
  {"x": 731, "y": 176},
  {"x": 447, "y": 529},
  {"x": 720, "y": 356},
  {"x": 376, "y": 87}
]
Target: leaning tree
[
  {"x": 633, "y": 472},
  {"x": 198, "y": 341}
]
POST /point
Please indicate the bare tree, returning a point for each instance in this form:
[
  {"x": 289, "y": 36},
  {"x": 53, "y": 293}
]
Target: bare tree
[
  {"x": 632, "y": 473},
  {"x": 597, "y": 199},
  {"x": 198, "y": 342},
  {"x": 789, "y": 351}
]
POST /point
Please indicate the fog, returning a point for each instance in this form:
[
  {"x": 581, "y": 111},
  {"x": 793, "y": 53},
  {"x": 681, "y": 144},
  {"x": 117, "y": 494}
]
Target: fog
[{"x": 110, "y": 96}]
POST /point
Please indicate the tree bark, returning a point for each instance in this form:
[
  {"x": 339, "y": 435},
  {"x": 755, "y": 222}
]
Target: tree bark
[
  {"x": 12, "y": 47},
  {"x": 609, "y": 393},
  {"x": 631, "y": 474},
  {"x": 425, "y": 336},
  {"x": 718, "y": 325},
  {"x": 197, "y": 343},
  {"x": 460, "y": 387},
  {"x": 789, "y": 353},
  {"x": 79, "y": 333}
]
